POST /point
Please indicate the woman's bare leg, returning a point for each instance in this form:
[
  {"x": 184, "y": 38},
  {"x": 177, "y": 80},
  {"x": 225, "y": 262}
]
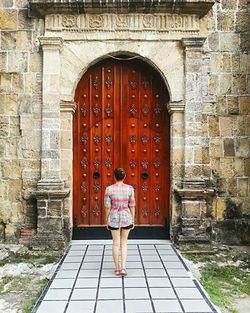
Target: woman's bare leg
[
  {"x": 116, "y": 247},
  {"x": 124, "y": 248}
]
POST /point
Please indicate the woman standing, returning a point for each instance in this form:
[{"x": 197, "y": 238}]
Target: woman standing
[{"x": 119, "y": 202}]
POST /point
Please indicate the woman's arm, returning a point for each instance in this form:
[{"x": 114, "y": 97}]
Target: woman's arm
[
  {"x": 107, "y": 211},
  {"x": 132, "y": 210}
]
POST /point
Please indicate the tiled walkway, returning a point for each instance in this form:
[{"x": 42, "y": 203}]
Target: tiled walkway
[{"x": 157, "y": 281}]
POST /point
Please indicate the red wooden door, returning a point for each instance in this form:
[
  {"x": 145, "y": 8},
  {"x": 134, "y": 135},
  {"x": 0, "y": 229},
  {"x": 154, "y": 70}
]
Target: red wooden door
[{"x": 121, "y": 121}]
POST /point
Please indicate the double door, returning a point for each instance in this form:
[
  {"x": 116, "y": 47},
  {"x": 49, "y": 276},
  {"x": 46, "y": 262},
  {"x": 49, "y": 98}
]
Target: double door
[{"x": 121, "y": 121}]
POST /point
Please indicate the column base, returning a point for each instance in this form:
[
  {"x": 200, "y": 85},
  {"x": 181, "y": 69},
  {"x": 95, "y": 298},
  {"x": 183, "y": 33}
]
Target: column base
[
  {"x": 195, "y": 219},
  {"x": 52, "y": 224}
]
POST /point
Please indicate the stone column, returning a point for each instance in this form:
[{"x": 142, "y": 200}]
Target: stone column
[
  {"x": 50, "y": 192},
  {"x": 176, "y": 111},
  {"x": 193, "y": 190}
]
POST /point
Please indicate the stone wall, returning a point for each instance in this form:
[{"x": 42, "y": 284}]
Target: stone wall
[
  {"x": 217, "y": 115},
  {"x": 20, "y": 118},
  {"x": 226, "y": 116}
]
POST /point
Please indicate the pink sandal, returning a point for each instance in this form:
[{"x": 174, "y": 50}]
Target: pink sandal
[
  {"x": 123, "y": 272},
  {"x": 117, "y": 272}
]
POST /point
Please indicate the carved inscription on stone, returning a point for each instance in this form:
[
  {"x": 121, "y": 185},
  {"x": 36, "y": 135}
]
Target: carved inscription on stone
[{"x": 158, "y": 22}]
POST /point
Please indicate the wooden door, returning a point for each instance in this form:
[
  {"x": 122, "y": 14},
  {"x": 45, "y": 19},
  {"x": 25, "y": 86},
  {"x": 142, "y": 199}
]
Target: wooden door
[{"x": 121, "y": 121}]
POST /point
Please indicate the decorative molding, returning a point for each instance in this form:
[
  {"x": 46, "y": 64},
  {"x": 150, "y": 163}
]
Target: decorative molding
[
  {"x": 193, "y": 42},
  {"x": 51, "y": 43},
  {"x": 175, "y": 107},
  {"x": 68, "y": 106},
  {"x": 158, "y": 22}
]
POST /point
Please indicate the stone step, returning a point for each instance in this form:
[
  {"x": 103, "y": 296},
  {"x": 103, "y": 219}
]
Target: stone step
[
  {"x": 193, "y": 239},
  {"x": 191, "y": 222}
]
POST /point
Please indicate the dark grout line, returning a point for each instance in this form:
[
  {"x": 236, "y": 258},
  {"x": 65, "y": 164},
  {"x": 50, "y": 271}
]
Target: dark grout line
[
  {"x": 73, "y": 287},
  {"x": 178, "y": 299},
  {"x": 146, "y": 279},
  {"x": 99, "y": 278}
]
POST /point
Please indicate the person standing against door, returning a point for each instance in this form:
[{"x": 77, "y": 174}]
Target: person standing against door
[{"x": 119, "y": 203}]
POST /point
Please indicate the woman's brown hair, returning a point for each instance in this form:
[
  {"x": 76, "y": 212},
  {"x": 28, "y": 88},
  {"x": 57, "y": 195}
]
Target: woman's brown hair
[{"x": 119, "y": 173}]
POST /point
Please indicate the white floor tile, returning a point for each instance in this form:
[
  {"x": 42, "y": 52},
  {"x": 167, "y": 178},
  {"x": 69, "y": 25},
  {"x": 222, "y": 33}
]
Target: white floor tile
[
  {"x": 80, "y": 307},
  {"x": 52, "y": 306}
]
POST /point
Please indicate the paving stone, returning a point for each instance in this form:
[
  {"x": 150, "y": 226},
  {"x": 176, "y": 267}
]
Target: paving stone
[
  {"x": 66, "y": 274},
  {"x": 86, "y": 283},
  {"x": 52, "y": 306},
  {"x": 167, "y": 306},
  {"x": 136, "y": 293},
  {"x": 94, "y": 252},
  {"x": 89, "y": 273},
  {"x": 132, "y": 272},
  {"x": 152, "y": 265},
  {"x": 91, "y": 265},
  {"x": 95, "y": 247},
  {"x": 107, "y": 306},
  {"x": 170, "y": 258},
  {"x": 70, "y": 266},
  {"x": 158, "y": 282},
  {"x": 111, "y": 282},
  {"x": 84, "y": 294},
  {"x": 78, "y": 248},
  {"x": 108, "y": 265},
  {"x": 134, "y": 265},
  {"x": 147, "y": 247},
  {"x": 133, "y": 258},
  {"x": 138, "y": 306},
  {"x": 155, "y": 272},
  {"x": 134, "y": 282},
  {"x": 189, "y": 293},
  {"x": 80, "y": 307},
  {"x": 175, "y": 272},
  {"x": 108, "y": 272},
  {"x": 92, "y": 258},
  {"x": 164, "y": 247},
  {"x": 57, "y": 294},
  {"x": 148, "y": 252},
  {"x": 73, "y": 259},
  {"x": 164, "y": 293},
  {"x": 196, "y": 306},
  {"x": 110, "y": 293},
  {"x": 182, "y": 282},
  {"x": 62, "y": 283},
  {"x": 75, "y": 253},
  {"x": 174, "y": 264},
  {"x": 150, "y": 258}
]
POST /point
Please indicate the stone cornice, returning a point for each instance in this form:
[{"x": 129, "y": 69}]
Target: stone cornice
[
  {"x": 193, "y": 42},
  {"x": 40, "y": 8},
  {"x": 68, "y": 106},
  {"x": 51, "y": 43},
  {"x": 175, "y": 107}
]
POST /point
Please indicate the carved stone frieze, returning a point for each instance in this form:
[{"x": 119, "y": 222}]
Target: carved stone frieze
[{"x": 158, "y": 22}]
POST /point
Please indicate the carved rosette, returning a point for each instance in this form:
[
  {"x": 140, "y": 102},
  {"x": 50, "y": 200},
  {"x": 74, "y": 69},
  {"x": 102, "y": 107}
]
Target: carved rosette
[
  {"x": 157, "y": 139},
  {"x": 145, "y": 84},
  {"x": 96, "y": 187},
  {"x": 96, "y": 210},
  {"x": 96, "y": 109},
  {"x": 96, "y": 83},
  {"x": 96, "y": 139},
  {"x": 144, "y": 164},
  {"x": 133, "y": 110},
  {"x": 157, "y": 187},
  {"x": 108, "y": 163},
  {"x": 69, "y": 21},
  {"x": 84, "y": 109},
  {"x": 97, "y": 162},
  {"x": 108, "y": 83},
  {"x": 84, "y": 187},
  {"x": 145, "y": 110},
  {"x": 108, "y": 110},
  {"x": 144, "y": 187},
  {"x": 84, "y": 163},
  {"x": 157, "y": 163},
  {"x": 144, "y": 212},
  {"x": 108, "y": 140},
  {"x": 144, "y": 139},
  {"x": 96, "y": 21},
  {"x": 133, "y": 140},
  {"x": 133, "y": 84},
  {"x": 84, "y": 211},
  {"x": 84, "y": 139},
  {"x": 157, "y": 109},
  {"x": 132, "y": 163},
  {"x": 157, "y": 212}
]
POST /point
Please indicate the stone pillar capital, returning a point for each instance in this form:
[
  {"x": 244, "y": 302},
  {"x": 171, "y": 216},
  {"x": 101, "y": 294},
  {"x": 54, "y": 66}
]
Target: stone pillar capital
[
  {"x": 68, "y": 106},
  {"x": 51, "y": 43},
  {"x": 176, "y": 106},
  {"x": 193, "y": 43}
]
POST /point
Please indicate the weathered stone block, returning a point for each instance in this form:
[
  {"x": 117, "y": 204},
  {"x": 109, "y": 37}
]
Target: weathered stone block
[
  {"x": 8, "y": 19},
  {"x": 242, "y": 186},
  {"x": 17, "y": 62},
  {"x": 4, "y": 126},
  {"x": 221, "y": 105},
  {"x": 225, "y": 84},
  {"x": 213, "y": 126},
  {"x": 229, "y": 41},
  {"x": 242, "y": 4},
  {"x": 242, "y": 147},
  {"x": 239, "y": 84},
  {"x": 239, "y": 167},
  {"x": 49, "y": 225},
  {"x": 55, "y": 208},
  {"x": 219, "y": 208},
  {"x": 213, "y": 41},
  {"x": 226, "y": 126},
  {"x": 228, "y": 147},
  {"x": 3, "y": 61},
  {"x": 233, "y": 104},
  {"x": 245, "y": 42},
  {"x": 226, "y": 167},
  {"x": 226, "y": 21},
  {"x": 246, "y": 168},
  {"x": 5, "y": 83},
  {"x": 229, "y": 4},
  {"x": 232, "y": 187},
  {"x": 236, "y": 66},
  {"x": 221, "y": 63},
  {"x": 216, "y": 147},
  {"x": 245, "y": 104},
  {"x": 242, "y": 22},
  {"x": 24, "y": 22}
]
